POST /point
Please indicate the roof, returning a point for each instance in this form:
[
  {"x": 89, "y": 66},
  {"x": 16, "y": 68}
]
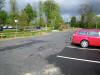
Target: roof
[{"x": 89, "y": 30}]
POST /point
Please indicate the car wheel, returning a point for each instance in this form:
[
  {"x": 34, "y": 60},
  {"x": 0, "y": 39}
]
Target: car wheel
[{"x": 84, "y": 44}]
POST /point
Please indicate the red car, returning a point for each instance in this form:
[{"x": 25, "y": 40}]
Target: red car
[{"x": 87, "y": 37}]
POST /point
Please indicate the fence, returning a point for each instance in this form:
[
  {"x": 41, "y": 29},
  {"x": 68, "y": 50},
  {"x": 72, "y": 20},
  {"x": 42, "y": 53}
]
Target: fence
[{"x": 19, "y": 34}]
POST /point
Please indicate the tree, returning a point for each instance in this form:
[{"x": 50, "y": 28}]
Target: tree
[
  {"x": 11, "y": 19},
  {"x": 22, "y": 20},
  {"x": 1, "y": 4},
  {"x": 73, "y": 21},
  {"x": 36, "y": 22},
  {"x": 40, "y": 8},
  {"x": 13, "y": 7},
  {"x": 3, "y": 17},
  {"x": 96, "y": 21},
  {"x": 13, "y": 12},
  {"x": 52, "y": 12},
  {"x": 30, "y": 12},
  {"x": 82, "y": 22},
  {"x": 86, "y": 12},
  {"x": 41, "y": 19}
]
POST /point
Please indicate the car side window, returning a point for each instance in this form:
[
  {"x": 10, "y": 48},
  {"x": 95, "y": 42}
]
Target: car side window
[
  {"x": 82, "y": 33},
  {"x": 93, "y": 33}
]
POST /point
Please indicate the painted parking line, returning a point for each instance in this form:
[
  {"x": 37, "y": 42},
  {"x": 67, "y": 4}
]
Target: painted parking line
[
  {"x": 77, "y": 59},
  {"x": 83, "y": 48}
]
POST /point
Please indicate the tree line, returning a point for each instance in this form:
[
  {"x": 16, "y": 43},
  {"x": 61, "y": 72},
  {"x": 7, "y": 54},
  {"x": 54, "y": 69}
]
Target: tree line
[
  {"x": 88, "y": 18},
  {"x": 47, "y": 14}
]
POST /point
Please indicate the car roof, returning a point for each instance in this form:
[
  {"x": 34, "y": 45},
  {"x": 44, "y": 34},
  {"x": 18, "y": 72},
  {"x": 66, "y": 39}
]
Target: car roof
[{"x": 89, "y": 30}]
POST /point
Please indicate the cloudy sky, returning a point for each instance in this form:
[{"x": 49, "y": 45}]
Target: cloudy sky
[{"x": 68, "y": 7}]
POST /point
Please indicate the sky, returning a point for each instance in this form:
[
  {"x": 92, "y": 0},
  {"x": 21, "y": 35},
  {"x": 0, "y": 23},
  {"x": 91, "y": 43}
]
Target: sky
[{"x": 69, "y": 8}]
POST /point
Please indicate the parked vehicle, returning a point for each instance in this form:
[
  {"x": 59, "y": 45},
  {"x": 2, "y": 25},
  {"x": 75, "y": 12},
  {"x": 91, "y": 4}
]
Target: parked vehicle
[
  {"x": 87, "y": 37},
  {"x": 10, "y": 27},
  {"x": 1, "y": 28},
  {"x": 5, "y": 27}
]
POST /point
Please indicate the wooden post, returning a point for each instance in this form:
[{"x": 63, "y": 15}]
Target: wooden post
[
  {"x": 31, "y": 34},
  {"x": 15, "y": 35},
  {"x": 1, "y": 36},
  {"x": 23, "y": 34},
  {"x": 41, "y": 32}
]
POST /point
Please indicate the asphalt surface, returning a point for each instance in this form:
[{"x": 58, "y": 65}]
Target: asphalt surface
[
  {"x": 77, "y": 67},
  {"x": 39, "y": 56}
]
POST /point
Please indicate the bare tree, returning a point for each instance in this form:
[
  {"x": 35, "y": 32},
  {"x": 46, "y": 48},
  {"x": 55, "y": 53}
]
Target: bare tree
[
  {"x": 85, "y": 9},
  {"x": 86, "y": 12},
  {"x": 13, "y": 6},
  {"x": 2, "y": 4}
]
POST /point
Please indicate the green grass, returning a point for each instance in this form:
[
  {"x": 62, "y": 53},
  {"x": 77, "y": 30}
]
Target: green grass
[
  {"x": 12, "y": 31},
  {"x": 47, "y": 31},
  {"x": 13, "y": 34}
]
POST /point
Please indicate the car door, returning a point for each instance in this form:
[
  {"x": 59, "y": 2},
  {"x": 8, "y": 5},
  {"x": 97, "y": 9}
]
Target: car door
[
  {"x": 94, "y": 38},
  {"x": 82, "y": 35}
]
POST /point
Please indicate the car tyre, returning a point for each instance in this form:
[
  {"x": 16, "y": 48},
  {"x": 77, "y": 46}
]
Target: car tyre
[{"x": 84, "y": 44}]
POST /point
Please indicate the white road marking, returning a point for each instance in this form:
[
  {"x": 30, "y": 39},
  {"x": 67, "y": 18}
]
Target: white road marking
[
  {"x": 91, "y": 61},
  {"x": 28, "y": 74},
  {"x": 83, "y": 48}
]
